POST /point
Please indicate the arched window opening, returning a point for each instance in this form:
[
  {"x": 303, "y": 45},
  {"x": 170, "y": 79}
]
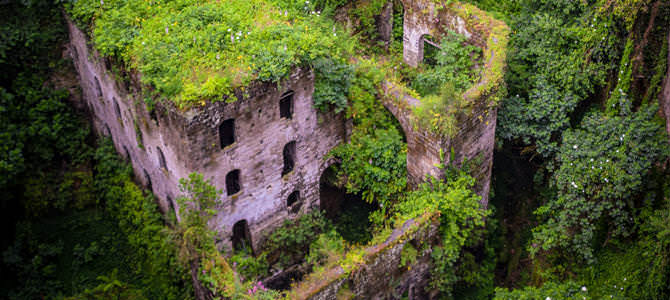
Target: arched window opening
[
  {"x": 153, "y": 116},
  {"x": 430, "y": 50},
  {"x": 117, "y": 108},
  {"x": 227, "y": 132},
  {"x": 147, "y": 179},
  {"x": 293, "y": 202},
  {"x": 241, "y": 236},
  {"x": 233, "y": 182},
  {"x": 97, "y": 87},
  {"x": 286, "y": 105},
  {"x": 289, "y": 158},
  {"x": 293, "y": 198},
  {"x": 161, "y": 159}
]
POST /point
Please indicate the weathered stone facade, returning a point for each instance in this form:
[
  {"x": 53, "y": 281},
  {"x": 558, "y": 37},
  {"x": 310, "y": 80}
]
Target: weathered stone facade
[
  {"x": 247, "y": 139},
  {"x": 175, "y": 143},
  {"x": 475, "y": 137},
  {"x": 380, "y": 274}
]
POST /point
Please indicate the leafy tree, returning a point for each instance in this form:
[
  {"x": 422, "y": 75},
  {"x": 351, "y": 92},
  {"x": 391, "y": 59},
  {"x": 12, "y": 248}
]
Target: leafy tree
[{"x": 602, "y": 166}]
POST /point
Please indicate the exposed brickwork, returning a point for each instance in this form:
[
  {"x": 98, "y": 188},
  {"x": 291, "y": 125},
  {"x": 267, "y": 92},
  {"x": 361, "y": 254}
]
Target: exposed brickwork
[
  {"x": 366, "y": 281},
  {"x": 189, "y": 141}
]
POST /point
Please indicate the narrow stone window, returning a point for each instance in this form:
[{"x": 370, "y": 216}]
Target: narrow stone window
[
  {"x": 233, "y": 182},
  {"x": 154, "y": 116},
  {"x": 286, "y": 105},
  {"x": 241, "y": 236},
  {"x": 161, "y": 158},
  {"x": 293, "y": 198},
  {"x": 430, "y": 50},
  {"x": 227, "y": 132},
  {"x": 117, "y": 108},
  {"x": 289, "y": 158},
  {"x": 97, "y": 87},
  {"x": 147, "y": 178}
]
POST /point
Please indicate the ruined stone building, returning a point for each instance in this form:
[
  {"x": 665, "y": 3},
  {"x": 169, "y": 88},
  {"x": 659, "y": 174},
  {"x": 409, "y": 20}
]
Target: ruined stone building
[{"x": 267, "y": 149}]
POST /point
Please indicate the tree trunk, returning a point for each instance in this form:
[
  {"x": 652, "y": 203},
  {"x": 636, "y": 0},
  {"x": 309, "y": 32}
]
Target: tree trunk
[{"x": 201, "y": 292}]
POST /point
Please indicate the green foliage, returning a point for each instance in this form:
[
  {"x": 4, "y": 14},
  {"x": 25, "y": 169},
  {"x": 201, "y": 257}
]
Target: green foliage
[
  {"x": 142, "y": 224},
  {"x": 560, "y": 51},
  {"x": 437, "y": 112},
  {"x": 64, "y": 255},
  {"x": 195, "y": 50},
  {"x": 249, "y": 266},
  {"x": 365, "y": 12},
  {"x": 602, "y": 167},
  {"x": 460, "y": 216},
  {"x": 327, "y": 246},
  {"x": 374, "y": 161},
  {"x": 550, "y": 290},
  {"x": 331, "y": 84},
  {"x": 408, "y": 255},
  {"x": 455, "y": 65},
  {"x": 293, "y": 239},
  {"x": 37, "y": 127},
  {"x": 640, "y": 268}
]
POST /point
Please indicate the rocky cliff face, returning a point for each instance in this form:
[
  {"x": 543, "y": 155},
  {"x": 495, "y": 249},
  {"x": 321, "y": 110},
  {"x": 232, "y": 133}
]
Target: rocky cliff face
[{"x": 664, "y": 97}]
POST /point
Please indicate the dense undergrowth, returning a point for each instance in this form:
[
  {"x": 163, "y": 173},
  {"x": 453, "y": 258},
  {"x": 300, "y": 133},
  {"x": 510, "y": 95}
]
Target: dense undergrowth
[
  {"x": 587, "y": 220},
  {"x": 581, "y": 123}
]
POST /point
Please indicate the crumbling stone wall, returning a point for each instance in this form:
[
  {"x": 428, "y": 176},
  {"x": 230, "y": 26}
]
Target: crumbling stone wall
[
  {"x": 425, "y": 17},
  {"x": 475, "y": 137},
  {"x": 381, "y": 275},
  {"x": 175, "y": 143}
]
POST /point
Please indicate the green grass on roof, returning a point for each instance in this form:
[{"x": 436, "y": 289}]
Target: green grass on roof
[{"x": 192, "y": 51}]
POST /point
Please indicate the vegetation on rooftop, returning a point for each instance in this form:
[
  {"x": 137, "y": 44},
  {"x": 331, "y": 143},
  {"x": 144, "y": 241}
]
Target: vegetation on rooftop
[{"x": 194, "y": 51}]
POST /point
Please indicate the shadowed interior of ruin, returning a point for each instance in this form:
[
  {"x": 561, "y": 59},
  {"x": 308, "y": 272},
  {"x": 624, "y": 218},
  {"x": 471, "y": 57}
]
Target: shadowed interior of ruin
[{"x": 348, "y": 212}]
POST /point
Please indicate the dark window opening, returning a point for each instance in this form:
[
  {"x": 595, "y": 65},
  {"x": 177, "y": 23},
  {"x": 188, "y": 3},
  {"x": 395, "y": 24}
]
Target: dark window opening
[
  {"x": 161, "y": 158},
  {"x": 293, "y": 198},
  {"x": 430, "y": 50},
  {"x": 147, "y": 178},
  {"x": 233, "y": 182},
  {"x": 293, "y": 202},
  {"x": 286, "y": 105},
  {"x": 289, "y": 158},
  {"x": 153, "y": 116},
  {"x": 348, "y": 212},
  {"x": 227, "y": 132},
  {"x": 241, "y": 236},
  {"x": 117, "y": 108},
  {"x": 97, "y": 86}
]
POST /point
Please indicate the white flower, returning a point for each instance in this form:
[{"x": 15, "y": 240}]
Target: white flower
[
  {"x": 574, "y": 147},
  {"x": 583, "y": 288},
  {"x": 547, "y": 298},
  {"x": 573, "y": 184}
]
